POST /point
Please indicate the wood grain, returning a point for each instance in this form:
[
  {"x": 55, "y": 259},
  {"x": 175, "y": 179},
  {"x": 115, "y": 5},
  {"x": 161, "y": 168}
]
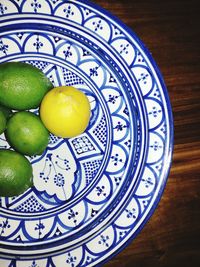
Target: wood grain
[{"x": 170, "y": 30}]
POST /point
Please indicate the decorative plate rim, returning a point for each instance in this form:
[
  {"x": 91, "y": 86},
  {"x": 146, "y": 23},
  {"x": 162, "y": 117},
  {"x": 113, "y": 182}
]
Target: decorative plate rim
[{"x": 170, "y": 113}]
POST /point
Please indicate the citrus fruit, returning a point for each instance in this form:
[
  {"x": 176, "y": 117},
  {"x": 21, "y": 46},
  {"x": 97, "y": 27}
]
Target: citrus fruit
[
  {"x": 6, "y": 111},
  {"x": 65, "y": 111},
  {"x": 22, "y": 86},
  {"x": 26, "y": 133},
  {"x": 5, "y": 114},
  {"x": 2, "y": 122},
  {"x": 15, "y": 173}
]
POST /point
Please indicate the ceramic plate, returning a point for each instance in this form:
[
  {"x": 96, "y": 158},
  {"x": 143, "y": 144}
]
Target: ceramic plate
[{"x": 93, "y": 193}]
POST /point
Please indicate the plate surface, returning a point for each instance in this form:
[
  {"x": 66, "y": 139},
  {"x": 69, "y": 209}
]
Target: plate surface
[{"x": 93, "y": 193}]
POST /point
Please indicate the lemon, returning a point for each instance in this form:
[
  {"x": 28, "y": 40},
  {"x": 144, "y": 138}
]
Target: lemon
[
  {"x": 65, "y": 111},
  {"x": 2, "y": 122},
  {"x": 26, "y": 133},
  {"x": 15, "y": 173},
  {"x": 22, "y": 86}
]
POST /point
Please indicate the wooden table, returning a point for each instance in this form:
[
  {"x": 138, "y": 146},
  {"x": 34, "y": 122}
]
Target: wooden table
[{"x": 170, "y": 30}]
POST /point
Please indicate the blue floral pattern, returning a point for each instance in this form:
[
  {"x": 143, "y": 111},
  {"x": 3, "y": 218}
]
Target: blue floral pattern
[{"x": 108, "y": 179}]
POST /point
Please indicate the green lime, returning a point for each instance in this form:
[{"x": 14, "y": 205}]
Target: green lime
[
  {"x": 5, "y": 114},
  {"x": 2, "y": 122},
  {"x": 26, "y": 133},
  {"x": 15, "y": 173},
  {"x": 6, "y": 111},
  {"x": 22, "y": 86}
]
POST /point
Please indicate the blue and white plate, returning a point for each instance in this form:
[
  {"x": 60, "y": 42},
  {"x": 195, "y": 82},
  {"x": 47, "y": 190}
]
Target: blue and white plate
[{"x": 93, "y": 193}]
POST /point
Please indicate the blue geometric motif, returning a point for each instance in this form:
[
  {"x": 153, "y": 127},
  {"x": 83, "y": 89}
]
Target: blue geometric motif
[
  {"x": 82, "y": 145},
  {"x": 30, "y": 205},
  {"x": 3, "y": 47},
  {"x": 100, "y": 132},
  {"x": 36, "y": 5},
  {"x": 71, "y": 78},
  {"x": 2, "y": 9},
  {"x": 91, "y": 168}
]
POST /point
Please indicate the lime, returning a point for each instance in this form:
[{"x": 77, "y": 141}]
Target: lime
[
  {"x": 26, "y": 133},
  {"x": 22, "y": 86},
  {"x": 2, "y": 122},
  {"x": 6, "y": 111},
  {"x": 65, "y": 111},
  {"x": 15, "y": 173},
  {"x": 5, "y": 114}
]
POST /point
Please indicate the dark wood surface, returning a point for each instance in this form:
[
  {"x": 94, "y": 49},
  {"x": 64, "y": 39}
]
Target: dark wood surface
[{"x": 171, "y": 31}]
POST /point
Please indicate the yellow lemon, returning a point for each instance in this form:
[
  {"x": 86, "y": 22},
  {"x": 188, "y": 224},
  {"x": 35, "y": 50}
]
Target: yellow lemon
[{"x": 65, "y": 111}]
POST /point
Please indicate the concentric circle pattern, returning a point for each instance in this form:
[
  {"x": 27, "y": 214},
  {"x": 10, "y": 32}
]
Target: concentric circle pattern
[{"x": 92, "y": 193}]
